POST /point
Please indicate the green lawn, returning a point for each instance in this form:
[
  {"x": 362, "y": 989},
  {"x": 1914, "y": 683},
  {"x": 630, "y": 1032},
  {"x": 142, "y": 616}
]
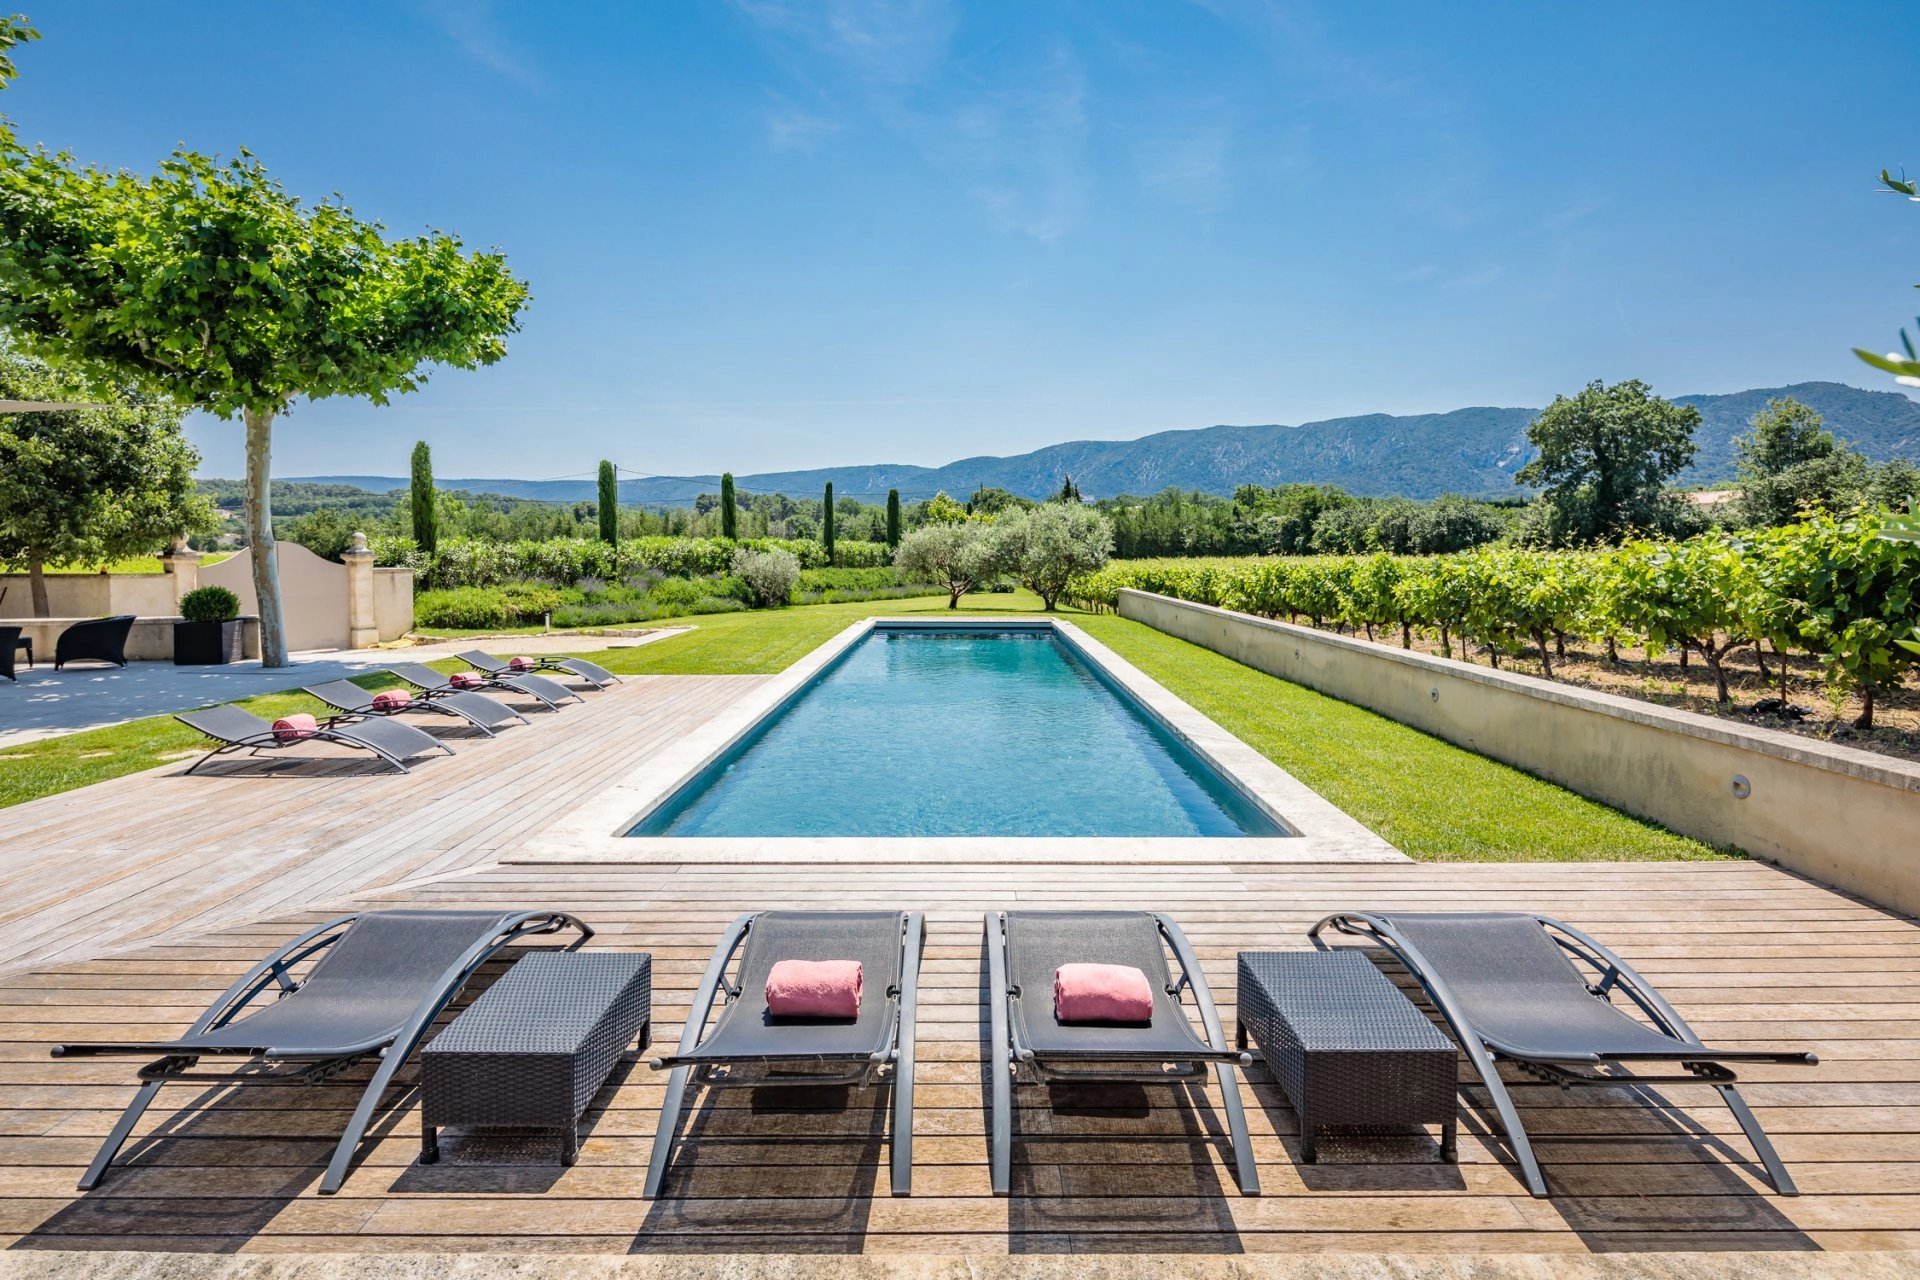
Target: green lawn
[{"x": 1436, "y": 801}]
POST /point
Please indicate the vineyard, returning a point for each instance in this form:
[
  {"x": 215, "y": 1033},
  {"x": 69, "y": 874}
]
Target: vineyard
[{"x": 1832, "y": 593}]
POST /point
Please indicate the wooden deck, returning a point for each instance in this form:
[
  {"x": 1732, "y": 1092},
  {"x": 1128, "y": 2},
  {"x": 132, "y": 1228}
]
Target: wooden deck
[
  {"x": 1749, "y": 954},
  {"x": 109, "y": 865}
]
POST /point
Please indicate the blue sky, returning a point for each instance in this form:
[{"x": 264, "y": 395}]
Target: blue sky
[{"x": 770, "y": 234}]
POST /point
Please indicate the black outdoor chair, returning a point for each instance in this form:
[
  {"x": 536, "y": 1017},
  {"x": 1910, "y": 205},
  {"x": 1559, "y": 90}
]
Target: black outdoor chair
[
  {"x": 240, "y": 730},
  {"x": 1511, "y": 987},
  {"x": 95, "y": 640},
  {"x": 592, "y": 672},
  {"x": 381, "y": 980},
  {"x": 548, "y": 692},
  {"x": 478, "y": 710},
  {"x": 750, "y": 1047},
  {"x": 10, "y": 643},
  {"x": 1029, "y": 1045}
]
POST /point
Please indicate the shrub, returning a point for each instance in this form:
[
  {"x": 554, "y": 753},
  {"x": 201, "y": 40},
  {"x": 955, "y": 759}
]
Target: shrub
[
  {"x": 769, "y": 576},
  {"x": 210, "y": 604},
  {"x": 461, "y": 608},
  {"x": 876, "y": 579},
  {"x": 532, "y": 601}
]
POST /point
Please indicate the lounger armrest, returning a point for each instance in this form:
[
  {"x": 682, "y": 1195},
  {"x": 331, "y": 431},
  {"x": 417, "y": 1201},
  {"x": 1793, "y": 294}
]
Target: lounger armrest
[{"x": 702, "y": 1007}]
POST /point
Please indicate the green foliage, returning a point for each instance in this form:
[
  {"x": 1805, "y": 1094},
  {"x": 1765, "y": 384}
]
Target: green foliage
[
  {"x": 209, "y": 604},
  {"x": 1604, "y": 457},
  {"x": 14, "y": 32},
  {"x": 461, "y": 609},
  {"x": 608, "y": 506},
  {"x": 1844, "y": 590},
  {"x": 92, "y": 485},
  {"x": 1904, "y": 368},
  {"x": 729, "y": 508},
  {"x": 423, "y": 500},
  {"x": 1045, "y": 548},
  {"x": 893, "y": 519},
  {"x": 961, "y": 556},
  {"x": 1299, "y": 519},
  {"x": 770, "y": 575},
  {"x": 940, "y": 509},
  {"x": 826, "y": 522},
  {"x": 322, "y": 532}
]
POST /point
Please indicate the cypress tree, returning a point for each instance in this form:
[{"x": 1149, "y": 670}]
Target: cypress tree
[
  {"x": 609, "y": 504},
  {"x": 729, "y": 514},
  {"x": 426, "y": 513},
  {"x": 826, "y": 524},
  {"x": 893, "y": 518}
]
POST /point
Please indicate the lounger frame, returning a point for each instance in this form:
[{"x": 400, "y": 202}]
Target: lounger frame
[
  {"x": 437, "y": 705},
  {"x": 1008, "y": 1056},
  {"x": 326, "y": 731},
  {"x": 593, "y": 673},
  {"x": 858, "y": 1073},
  {"x": 275, "y": 972},
  {"x": 1610, "y": 974}
]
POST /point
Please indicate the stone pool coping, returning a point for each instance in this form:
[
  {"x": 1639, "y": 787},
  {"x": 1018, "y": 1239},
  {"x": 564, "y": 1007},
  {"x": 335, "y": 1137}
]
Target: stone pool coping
[{"x": 592, "y": 831}]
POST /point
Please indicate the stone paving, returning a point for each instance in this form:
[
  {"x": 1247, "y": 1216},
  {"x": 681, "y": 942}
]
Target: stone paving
[{"x": 45, "y": 703}]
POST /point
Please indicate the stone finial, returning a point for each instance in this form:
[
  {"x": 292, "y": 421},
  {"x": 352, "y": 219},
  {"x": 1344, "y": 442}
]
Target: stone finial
[{"x": 359, "y": 547}]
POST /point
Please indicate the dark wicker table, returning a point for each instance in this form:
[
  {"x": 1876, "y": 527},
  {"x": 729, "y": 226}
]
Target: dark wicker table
[
  {"x": 1345, "y": 1046},
  {"x": 532, "y": 1051}
]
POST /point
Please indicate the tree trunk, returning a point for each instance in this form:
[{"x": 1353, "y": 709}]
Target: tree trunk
[
  {"x": 1446, "y": 642},
  {"x": 1866, "y": 708},
  {"x": 259, "y": 517},
  {"x": 1613, "y": 651},
  {"x": 953, "y": 597},
  {"x": 1546, "y": 659},
  {"x": 1406, "y": 636},
  {"x": 1760, "y": 656},
  {"x": 37, "y": 586},
  {"x": 1781, "y": 656},
  {"x": 1719, "y": 674}
]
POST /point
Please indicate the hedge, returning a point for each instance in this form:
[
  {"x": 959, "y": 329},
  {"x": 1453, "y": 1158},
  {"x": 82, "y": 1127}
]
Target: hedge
[{"x": 471, "y": 562}]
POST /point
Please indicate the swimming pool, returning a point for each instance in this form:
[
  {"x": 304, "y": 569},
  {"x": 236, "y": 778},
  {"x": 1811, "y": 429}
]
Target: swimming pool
[{"x": 958, "y": 731}]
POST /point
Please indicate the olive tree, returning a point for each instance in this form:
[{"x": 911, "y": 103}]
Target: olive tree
[
  {"x": 90, "y": 485},
  {"x": 1047, "y": 546},
  {"x": 961, "y": 557},
  {"x": 210, "y": 283}
]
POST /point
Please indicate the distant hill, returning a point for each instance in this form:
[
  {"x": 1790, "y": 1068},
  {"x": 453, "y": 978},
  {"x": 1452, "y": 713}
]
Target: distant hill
[{"x": 1471, "y": 451}]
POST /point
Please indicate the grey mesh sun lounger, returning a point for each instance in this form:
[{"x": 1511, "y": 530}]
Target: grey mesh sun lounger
[
  {"x": 750, "y": 1047},
  {"x": 239, "y": 730},
  {"x": 542, "y": 689},
  {"x": 1027, "y": 1043},
  {"x": 381, "y": 980},
  {"x": 1512, "y": 988},
  {"x": 592, "y": 672},
  {"x": 478, "y": 710}
]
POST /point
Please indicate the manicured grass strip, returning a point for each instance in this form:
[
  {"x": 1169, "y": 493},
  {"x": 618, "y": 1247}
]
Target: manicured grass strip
[{"x": 1435, "y": 801}]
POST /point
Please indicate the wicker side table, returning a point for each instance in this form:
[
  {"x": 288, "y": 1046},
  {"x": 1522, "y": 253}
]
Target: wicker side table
[
  {"x": 536, "y": 1046},
  {"x": 1345, "y": 1046}
]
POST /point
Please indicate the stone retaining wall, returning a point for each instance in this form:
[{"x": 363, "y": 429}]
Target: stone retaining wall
[{"x": 1847, "y": 817}]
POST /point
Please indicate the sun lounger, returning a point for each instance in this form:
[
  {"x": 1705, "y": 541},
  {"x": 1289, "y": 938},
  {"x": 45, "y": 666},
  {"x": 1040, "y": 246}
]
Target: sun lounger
[
  {"x": 548, "y": 692},
  {"x": 1028, "y": 1044},
  {"x": 592, "y": 672},
  {"x": 751, "y": 1047},
  {"x": 478, "y": 710},
  {"x": 381, "y": 980},
  {"x": 239, "y": 730},
  {"x": 1512, "y": 988}
]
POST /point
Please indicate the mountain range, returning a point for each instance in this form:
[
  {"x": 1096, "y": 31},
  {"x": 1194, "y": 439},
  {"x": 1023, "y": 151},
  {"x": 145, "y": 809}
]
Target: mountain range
[{"x": 1472, "y": 451}]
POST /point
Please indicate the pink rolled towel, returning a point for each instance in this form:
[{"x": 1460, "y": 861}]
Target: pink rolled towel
[
  {"x": 392, "y": 700},
  {"x": 295, "y": 727},
  {"x": 521, "y": 664},
  {"x": 466, "y": 680},
  {"x": 1101, "y": 993},
  {"x": 814, "y": 989}
]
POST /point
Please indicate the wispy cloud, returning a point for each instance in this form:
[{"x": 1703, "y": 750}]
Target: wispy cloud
[
  {"x": 1188, "y": 161},
  {"x": 791, "y": 129},
  {"x": 1011, "y": 131},
  {"x": 472, "y": 27}
]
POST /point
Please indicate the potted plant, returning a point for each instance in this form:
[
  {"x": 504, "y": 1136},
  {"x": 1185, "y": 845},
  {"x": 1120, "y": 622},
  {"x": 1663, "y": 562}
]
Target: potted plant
[{"x": 209, "y": 630}]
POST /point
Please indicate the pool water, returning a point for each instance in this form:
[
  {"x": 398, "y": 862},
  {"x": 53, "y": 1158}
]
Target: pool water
[{"x": 913, "y": 732}]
